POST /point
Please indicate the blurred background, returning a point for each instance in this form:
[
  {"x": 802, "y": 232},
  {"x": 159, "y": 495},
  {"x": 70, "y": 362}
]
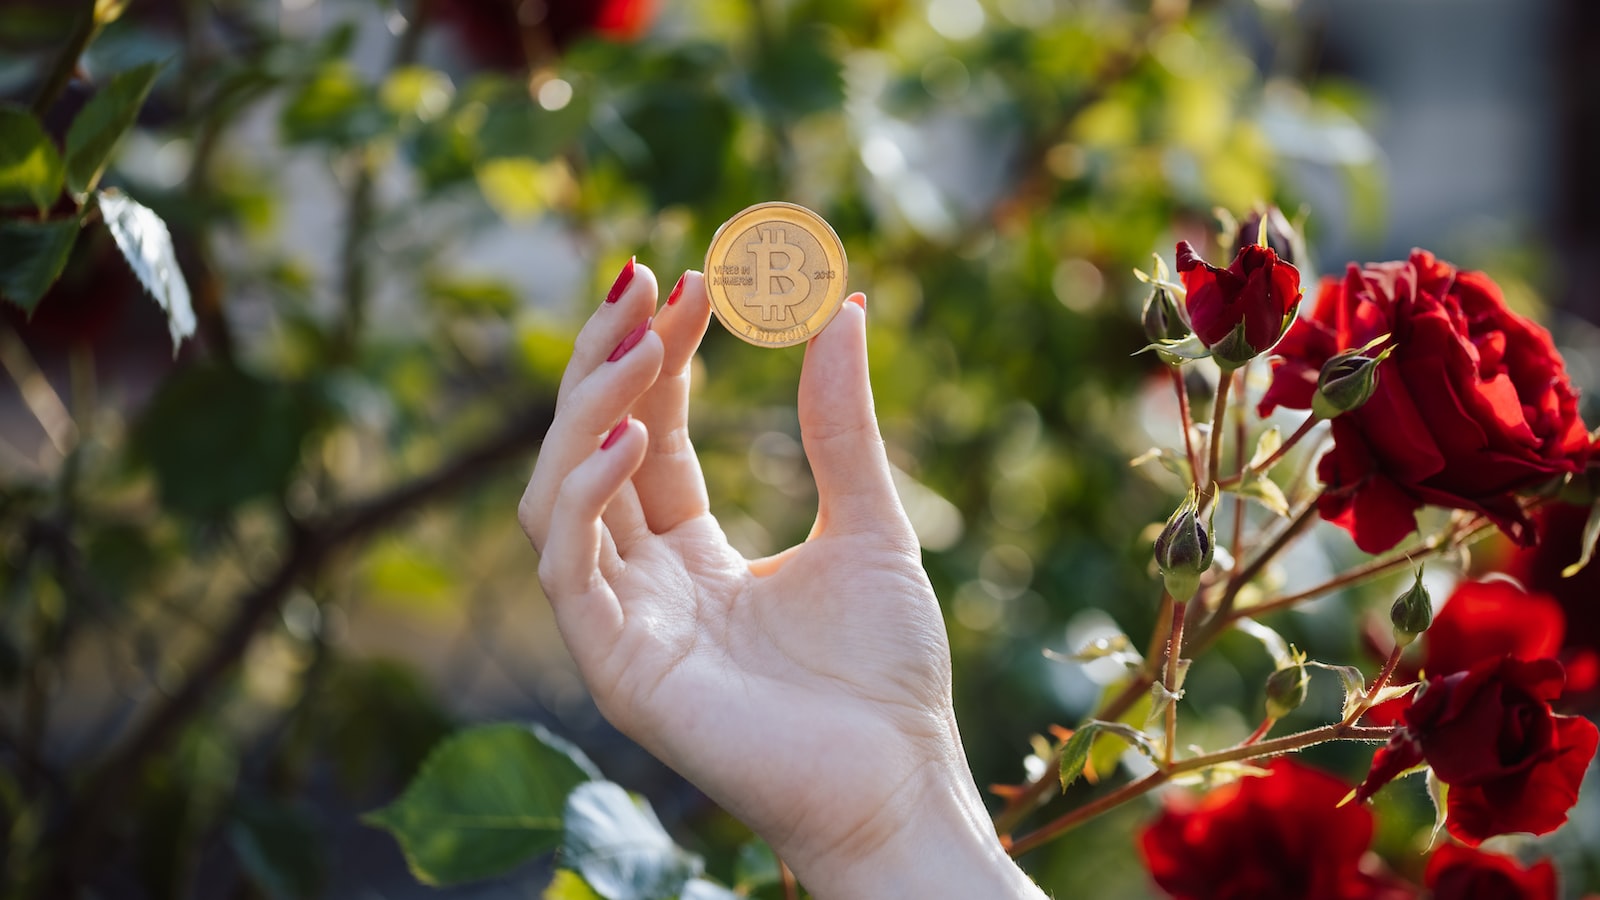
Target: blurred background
[{"x": 248, "y": 585}]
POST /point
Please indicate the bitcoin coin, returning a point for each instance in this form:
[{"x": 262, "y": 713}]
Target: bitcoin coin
[{"x": 776, "y": 274}]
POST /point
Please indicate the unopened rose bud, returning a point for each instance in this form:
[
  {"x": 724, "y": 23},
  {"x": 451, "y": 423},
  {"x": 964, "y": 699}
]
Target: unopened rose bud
[
  {"x": 1412, "y": 613},
  {"x": 1286, "y": 690},
  {"x": 1346, "y": 381},
  {"x": 1183, "y": 550},
  {"x": 1280, "y": 235},
  {"x": 1163, "y": 316}
]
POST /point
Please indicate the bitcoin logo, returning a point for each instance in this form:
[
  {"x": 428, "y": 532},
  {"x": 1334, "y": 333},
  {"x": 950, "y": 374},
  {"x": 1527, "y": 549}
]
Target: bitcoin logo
[
  {"x": 775, "y": 274},
  {"x": 779, "y": 288}
]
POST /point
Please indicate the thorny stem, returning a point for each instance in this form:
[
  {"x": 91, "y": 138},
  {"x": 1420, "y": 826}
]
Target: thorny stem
[
  {"x": 1371, "y": 698},
  {"x": 1241, "y": 577},
  {"x": 1235, "y": 546},
  {"x": 1338, "y": 731},
  {"x": 1170, "y": 679},
  {"x": 1186, "y": 421},
  {"x": 1260, "y": 732}
]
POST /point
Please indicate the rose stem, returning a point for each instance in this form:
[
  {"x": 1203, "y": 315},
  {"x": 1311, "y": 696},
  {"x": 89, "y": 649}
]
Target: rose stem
[
  {"x": 1170, "y": 680},
  {"x": 1338, "y": 731},
  {"x": 1384, "y": 675},
  {"x": 1260, "y": 732},
  {"x": 1215, "y": 438},
  {"x": 1287, "y": 445},
  {"x": 1241, "y": 577},
  {"x": 1186, "y": 421},
  {"x": 1237, "y": 543}
]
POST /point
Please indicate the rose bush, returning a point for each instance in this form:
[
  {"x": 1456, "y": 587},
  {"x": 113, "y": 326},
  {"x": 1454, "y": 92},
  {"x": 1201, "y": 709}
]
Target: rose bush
[
  {"x": 1488, "y": 733},
  {"x": 1279, "y": 835},
  {"x": 1473, "y": 405},
  {"x": 1462, "y": 873}
]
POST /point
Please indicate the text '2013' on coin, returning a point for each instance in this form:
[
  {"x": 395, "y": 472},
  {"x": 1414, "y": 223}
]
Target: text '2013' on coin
[{"x": 776, "y": 274}]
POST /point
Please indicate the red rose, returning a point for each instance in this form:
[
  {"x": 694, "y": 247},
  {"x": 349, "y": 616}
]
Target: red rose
[
  {"x": 509, "y": 34},
  {"x": 1480, "y": 620},
  {"x": 1488, "y": 733},
  {"x": 1283, "y": 836},
  {"x": 1462, "y": 873},
  {"x": 1473, "y": 405},
  {"x": 1258, "y": 290},
  {"x": 1539, "y": 567}
]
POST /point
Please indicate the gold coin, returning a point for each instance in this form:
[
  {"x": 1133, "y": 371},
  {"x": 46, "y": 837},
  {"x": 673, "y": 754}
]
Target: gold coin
[{"x": 776, "y": 274}]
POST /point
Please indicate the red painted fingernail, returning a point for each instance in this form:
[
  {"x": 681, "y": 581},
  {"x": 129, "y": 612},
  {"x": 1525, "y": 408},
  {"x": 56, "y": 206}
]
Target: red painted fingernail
[
  {"x": 633, "y": 338},
  {"x": 615, "y": 434},
  {"x": 621, "y": 284},
  {"x": 859, "y": 300},
  {"x": 677, "y": 290}
]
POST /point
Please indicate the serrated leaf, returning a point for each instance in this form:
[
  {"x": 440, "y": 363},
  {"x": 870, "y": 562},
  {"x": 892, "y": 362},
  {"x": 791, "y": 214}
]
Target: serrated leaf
[
  {"x": 1220, "y": 774},
  {"x": 1591, "y": 535},
  {"x": 1116, "y": 647},
  {"x": 147, "y": 246},
  {"x": 31, "y": 170},
  {"x": 619, "y": 847},
  {"x": 1266, "y": 492},
  {"x": 1107, "y": 748},
  {"x": 1128, "y": 734},
  {"x": 1282, "y": 653},
  {"x": 32, "y": 255},
  {"x": 102, "y": 122},
  {"x": 1171, "y": 460},
  {"x": 1075, "y": 753},
  {"x": 1270, "y": 442},
  {"x": 1393, "y": 692},
  {"x": 1188, "y": 349},
  {"x": 1355, "y": 684},
  {"x": 485, "y": 801}
]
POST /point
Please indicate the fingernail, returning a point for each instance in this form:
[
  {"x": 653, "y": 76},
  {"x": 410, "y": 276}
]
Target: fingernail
[
  {"x": 859, "y": 299},
  {"x": 615, "y": 434},
  {"x": 621, "y": 284},
  {"x": 633, "y": 338},
  {"x": 677, "y": 290}
]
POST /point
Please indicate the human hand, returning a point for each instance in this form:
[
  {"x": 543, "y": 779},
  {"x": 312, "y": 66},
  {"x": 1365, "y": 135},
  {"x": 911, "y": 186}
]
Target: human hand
[{"x": 807, "y": 692}]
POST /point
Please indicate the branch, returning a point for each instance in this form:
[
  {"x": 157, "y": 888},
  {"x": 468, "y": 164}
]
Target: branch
[{"x": 311, "y": 546}]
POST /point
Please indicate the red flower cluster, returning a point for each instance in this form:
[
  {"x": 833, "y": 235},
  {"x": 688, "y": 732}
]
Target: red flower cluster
[
  {"x": 1540, "y": 568},
  {"x": 1462, "y": 873},
  {"x": 1511, "y": 765},
  {"x": 1283, "y": 835},
  {"x": 1473, "y": 405},
  {"x": 509, "y": 34},
  {"x": 1257, "y": 291}
]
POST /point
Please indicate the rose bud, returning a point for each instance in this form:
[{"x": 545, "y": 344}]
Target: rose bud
[
  {"x": 1241, "y": 311},
  {"x": 1277, "y": 234},
  {"x": 1183, "y": 550},
  {"x": 1411, "y": 613},
  {"x": 1286, "y": 690},
  {"x": 1346, "y": 381},
  {"x": 1163, "y": 317}
]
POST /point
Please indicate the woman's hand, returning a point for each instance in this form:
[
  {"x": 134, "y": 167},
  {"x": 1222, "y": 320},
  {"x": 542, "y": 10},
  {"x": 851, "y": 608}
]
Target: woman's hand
[{"x": 808, "y": 692}]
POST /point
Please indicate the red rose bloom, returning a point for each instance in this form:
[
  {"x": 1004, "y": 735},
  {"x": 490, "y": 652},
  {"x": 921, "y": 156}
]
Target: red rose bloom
[
  {"x": 509, "y": 34},
  {"x": 1283, "y": 836},
  {"x": 1539, "y": 567},
  {"x": 1480, "y": 620},
  {"x": 1462, "y": 873},
  {"x": 1258, "y": 290},
  {"x": 1488, "y": 733},
  {"x": 1473, "y": 405}
]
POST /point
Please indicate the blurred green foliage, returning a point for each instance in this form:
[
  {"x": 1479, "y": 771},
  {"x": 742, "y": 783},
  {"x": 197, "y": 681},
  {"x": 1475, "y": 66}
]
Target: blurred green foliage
[{"x": 391, "y": 236}]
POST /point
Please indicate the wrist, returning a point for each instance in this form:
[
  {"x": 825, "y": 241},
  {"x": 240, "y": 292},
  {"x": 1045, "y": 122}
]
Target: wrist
[{"x": 935, "y": 841}]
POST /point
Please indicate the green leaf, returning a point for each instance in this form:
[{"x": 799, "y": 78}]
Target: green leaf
[
  {"x": 1269, "y": 443},
  {"x": 1130, "y": 735},
  {"x": 620, "y": 848},
  {"x": 756, "y": 866},
  {"x": 336, "y": 106},
  {"x": 1117, "y": 647},
  {"x": 569, "y": 885},
  {"x": 1107, "y": 748},
  {"x": 1265, "y": 491},
  {"x": 1283, "y": 654},
  {"x": 217, "y": 436},
  {"x": 652, "y": 148},
  {"x": 280, "y": 848},
  {"x": 485, "y": 801},
  {"x": 1171, "y": 460},
  {"x": 147, "y": 246},
  {"x": 32, "y": 255},
  {"x": 701, "y": 889},
  {"x": 1075, "y": 753},
  {"x": 1591, "y": 536},
  {"x": 1438, "y": 792},
  {"x": 1355, "y": 684},
  {"x": 798, "y": 75},
  {"x": 30, "y": 168},
  {"x": 102, "y": 122},
  {"x": 1178, "y": 352}
]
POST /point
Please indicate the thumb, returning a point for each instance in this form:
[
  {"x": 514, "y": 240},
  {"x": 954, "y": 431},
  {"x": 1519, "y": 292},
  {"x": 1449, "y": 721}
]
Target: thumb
[{"x": 840, "y": 430}]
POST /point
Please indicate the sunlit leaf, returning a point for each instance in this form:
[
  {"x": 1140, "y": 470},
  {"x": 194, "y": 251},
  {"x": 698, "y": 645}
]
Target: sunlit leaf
[
  {"x": 618, "y": 845},
  {"x": 31, "y": 170},
  {"x": 102, "y": 122},
  {"x": 569, "y": 885},
  {"x": 336, "y": 105},
  {"x": 1266, "y": 492},
  {"x": 32, "y": 255},
  {"x": 756, "y": 866},
  {"x": 1269, "y": 443},
  {"x": 701, "y": 889},
  {"x": 485, "y": 801},
  {"x": 1171, "y": 460},
  {"x": 1591, "y": 536},
  {"x": 147, "y": 246},
  {"x": 1283, "y": 655},
  {"x": 1075, "y": 753},
  {"x": 1354, "y": 683}
]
